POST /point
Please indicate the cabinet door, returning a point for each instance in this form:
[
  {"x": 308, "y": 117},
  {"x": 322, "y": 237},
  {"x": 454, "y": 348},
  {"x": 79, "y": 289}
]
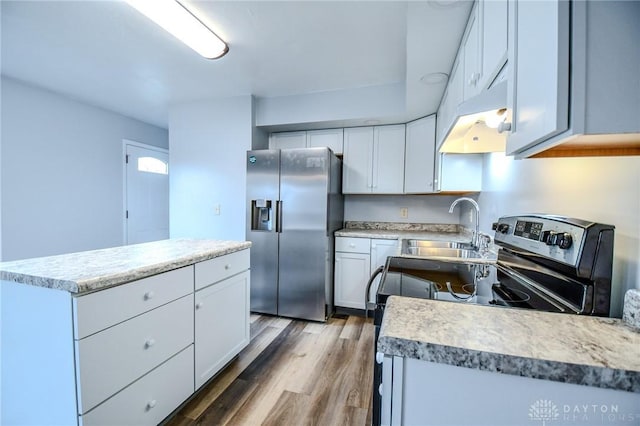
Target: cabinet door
[
  {"x": 471, "y": 51},
  {"x": 330, "y": 138},
  {"x": 221, "y": 325},
  {"x": 380, "y": 250},
  {"x": 419, "y": 159},
  {"x": 539, "y": 80},
  {"x": 357, "y": 161},
  {"x": 288, "y": 140},
  {"x": 494, "y": 39},
  {"x": 388, "y": 159},
  {"x": 352, "y": 271}
]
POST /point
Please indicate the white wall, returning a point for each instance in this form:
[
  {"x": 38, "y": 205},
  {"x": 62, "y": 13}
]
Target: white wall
[
  {"x": 386, "y": 208},
  {"x": 601, "y": 189},
  {"x": 338, "y": 105},
  {"x": 208, "y": 141},
  {"x": 61, "y": 169}
]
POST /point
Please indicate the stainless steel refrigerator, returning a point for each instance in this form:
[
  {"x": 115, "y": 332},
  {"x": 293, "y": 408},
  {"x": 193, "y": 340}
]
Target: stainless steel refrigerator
[{"x": 294, "y": 205}]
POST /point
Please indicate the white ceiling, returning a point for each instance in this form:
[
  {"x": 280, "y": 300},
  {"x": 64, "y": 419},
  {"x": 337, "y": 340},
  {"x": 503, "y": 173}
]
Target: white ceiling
[{"x": 107, "y": 54}]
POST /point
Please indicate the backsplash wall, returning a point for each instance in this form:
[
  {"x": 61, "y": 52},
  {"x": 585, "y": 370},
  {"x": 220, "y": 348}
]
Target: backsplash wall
[{"x": 386, "y": 208}]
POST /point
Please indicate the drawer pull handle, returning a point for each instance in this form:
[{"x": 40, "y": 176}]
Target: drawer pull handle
[
  {"x": 151, "y": 404},
  {"x": 379, "y": 357},
  {"x": 149, "y": 343},
  {"x": 352, "y": 245},
  {"x": 199, "y": 305},
  {"x": 227, "y": 267},
  {"x": 149, "y": 295}
]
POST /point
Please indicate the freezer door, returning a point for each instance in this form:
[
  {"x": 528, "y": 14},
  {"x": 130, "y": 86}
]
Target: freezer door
[
  {"x": 304, "y": 239},
  {"x": 263, "y": 176}
]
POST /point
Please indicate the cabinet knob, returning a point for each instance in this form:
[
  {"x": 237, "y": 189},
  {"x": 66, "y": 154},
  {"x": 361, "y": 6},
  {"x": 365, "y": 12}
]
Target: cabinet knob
[
  {"x": 504, "y": 127},
  {"x": 151, "y": 404},
  {"x": 379, "y": 357},
  {"x": 380, "y": 389},
  {"x": 352, "y": 245},
  {"x": 149, "y": 295},
  {"x": 149, "y": 343},
  {"x": 199, "y": 305},
  {"x": 227, "y": 267}
]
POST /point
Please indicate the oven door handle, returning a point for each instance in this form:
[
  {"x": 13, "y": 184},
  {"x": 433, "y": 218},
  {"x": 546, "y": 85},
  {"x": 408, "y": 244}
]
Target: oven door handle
[{"x": 368, "y": 289}]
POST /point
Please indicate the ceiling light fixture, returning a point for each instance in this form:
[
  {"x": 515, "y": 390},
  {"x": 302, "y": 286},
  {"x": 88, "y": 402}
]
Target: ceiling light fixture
[{"x": 175, "y": 18}]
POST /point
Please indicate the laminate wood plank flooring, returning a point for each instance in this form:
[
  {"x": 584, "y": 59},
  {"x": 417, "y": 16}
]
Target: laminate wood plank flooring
[{"x": 292, "y": 373}]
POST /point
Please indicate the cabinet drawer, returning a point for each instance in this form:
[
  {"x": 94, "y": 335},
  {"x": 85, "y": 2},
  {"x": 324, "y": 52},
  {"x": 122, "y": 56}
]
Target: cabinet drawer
[
  {"x": 150, "y": 399},
  {"x": 102, "y": 309},
  {"x": 219, "y": 268},
  {"x": 353, "y": 245},
  {"x": 112, "y": 359}
]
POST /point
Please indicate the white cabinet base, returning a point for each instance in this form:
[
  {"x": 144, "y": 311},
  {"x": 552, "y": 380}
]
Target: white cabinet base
[
  {"x": 428, "y": 393},
  {"x": 221, "y": 325},
  {"x": 150, "y": 399}
]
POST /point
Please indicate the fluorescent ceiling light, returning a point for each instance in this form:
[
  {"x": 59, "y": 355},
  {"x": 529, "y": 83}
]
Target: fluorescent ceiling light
[{"x": 182, "y": 24}]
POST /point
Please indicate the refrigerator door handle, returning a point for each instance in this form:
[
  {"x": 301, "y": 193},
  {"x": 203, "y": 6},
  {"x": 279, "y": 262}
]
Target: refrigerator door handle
[{"x": 279, "y": 216}]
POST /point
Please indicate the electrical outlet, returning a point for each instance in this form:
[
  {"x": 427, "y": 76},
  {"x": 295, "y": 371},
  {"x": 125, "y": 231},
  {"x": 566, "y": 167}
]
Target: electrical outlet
[
  {"x": 216, "y": 209},
  {"x": 404, "y": 212}
]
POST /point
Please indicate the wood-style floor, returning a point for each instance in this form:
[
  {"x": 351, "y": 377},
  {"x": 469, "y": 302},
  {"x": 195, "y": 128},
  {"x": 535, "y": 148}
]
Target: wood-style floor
[{"x": 292, "y": 373}]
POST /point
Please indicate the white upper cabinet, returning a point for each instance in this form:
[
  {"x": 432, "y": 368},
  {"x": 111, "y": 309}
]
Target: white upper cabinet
[
  {"x": 539, "y": 79},
  {"x": 331, "y": 138},
  {"x": 573, "y": 78},
  {"x": 388, "y": 159},
  {"x": 374, "y": 160},
  {"x": 419, "y": 163},
  {"x": 358, "y": 157},
  {"x": 471, "y": 50},
  {"x": 286, "y": 140},
  {"x": 494, "y": 39}
]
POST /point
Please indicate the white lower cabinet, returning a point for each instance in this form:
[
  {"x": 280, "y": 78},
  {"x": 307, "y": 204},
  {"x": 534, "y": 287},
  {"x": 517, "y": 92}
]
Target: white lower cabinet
[
  {"x": 125, "y": 355},
  {"x": 145, "y": 342},
  {"x": 221, "y": 325},
  {"x": 152, "y": 398},
  {"x": 406, "y": 382},
  {"x": 352, "y": 272},
  {"x": 380, "y": 250},
  {"x": 355, "y": 261}
]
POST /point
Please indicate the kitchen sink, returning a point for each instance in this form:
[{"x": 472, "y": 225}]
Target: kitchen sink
[
  {"x": 431, "y": 244},
  {"x": 447, "y": 252},
  {"x": 431, "y": 249}
]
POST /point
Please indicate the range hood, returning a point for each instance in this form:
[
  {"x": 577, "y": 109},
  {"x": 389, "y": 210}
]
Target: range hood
[{"x": 476, "y": 122}]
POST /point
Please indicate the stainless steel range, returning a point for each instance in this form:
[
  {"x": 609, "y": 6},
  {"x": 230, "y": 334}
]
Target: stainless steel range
[{"x": 544, "y": 262}]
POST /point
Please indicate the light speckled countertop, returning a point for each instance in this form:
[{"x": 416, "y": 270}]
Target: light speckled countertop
[
  {"x": 395, "y": 231},
  {"x": 97, "y": 269},
  {"x": 593, "y": 351}
]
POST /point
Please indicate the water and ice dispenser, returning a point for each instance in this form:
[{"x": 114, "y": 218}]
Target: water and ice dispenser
[{"x": 261, "y": 215}]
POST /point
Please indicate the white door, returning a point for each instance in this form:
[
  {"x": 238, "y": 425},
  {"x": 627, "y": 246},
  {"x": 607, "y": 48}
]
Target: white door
[
  {"x": 388, "y": 159},
  {"x": 146, "y": 193},
  {"x": 358, "y": 160}
]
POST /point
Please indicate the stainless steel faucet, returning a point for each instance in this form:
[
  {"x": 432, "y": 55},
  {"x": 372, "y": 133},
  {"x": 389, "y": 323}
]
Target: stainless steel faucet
[{"x": 475, "y": 240}]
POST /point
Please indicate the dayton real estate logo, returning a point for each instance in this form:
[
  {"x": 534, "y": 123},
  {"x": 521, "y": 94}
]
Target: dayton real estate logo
[{"x": 543, "y": 410}]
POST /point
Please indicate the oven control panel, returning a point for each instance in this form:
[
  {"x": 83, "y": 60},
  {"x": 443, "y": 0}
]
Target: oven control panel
[{"x": 545, "y": 236}]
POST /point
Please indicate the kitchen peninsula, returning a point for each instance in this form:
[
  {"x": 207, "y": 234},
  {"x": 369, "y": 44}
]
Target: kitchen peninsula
[
  {"x": 501, "y": 364},
  {"x": 93, "y": 337}
]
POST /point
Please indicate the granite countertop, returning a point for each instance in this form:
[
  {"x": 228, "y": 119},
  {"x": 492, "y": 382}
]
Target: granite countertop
[
  {"x": 592, "y": 351},
  {"x": 395, "y": 231},
  {"x": 98, "y": 269}
]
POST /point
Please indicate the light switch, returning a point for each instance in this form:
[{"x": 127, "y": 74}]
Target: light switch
[{"x": 217, "y": 209}]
